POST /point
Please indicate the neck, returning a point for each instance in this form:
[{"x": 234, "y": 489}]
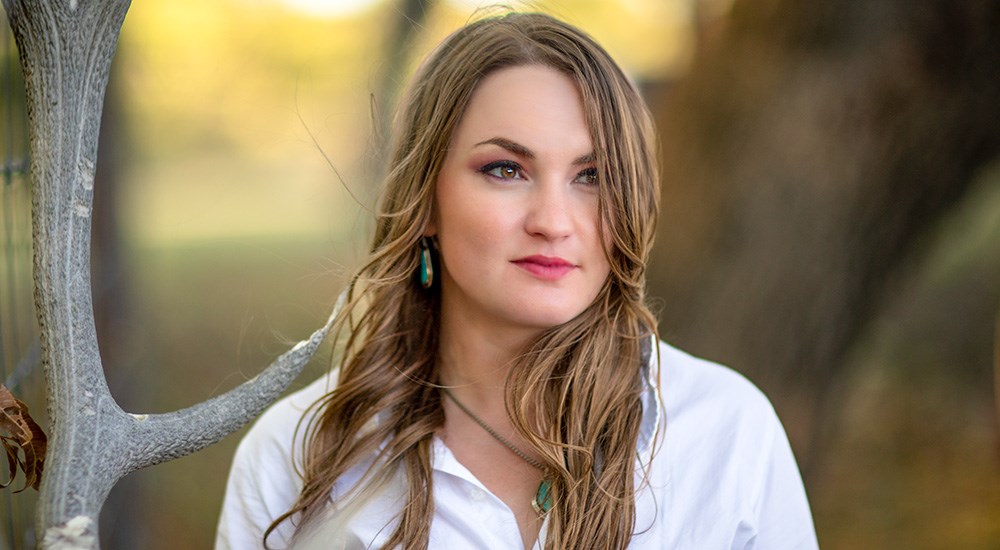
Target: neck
[{"x": 475, "y": 358}]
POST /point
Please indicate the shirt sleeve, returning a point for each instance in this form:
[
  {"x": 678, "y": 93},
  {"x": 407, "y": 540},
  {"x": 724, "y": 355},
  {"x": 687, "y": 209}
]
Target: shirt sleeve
[
  {"x": 263, "y": 485},
  {"x": 264, "y": 482},
  {"x": 784, "y": 520}
]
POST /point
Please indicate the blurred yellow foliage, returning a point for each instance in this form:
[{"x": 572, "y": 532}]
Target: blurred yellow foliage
[{"x": 221, "y": 100}]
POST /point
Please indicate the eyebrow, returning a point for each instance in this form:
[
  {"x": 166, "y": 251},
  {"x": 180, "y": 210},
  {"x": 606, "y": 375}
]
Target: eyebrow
[{"x": 523, "y": 151}]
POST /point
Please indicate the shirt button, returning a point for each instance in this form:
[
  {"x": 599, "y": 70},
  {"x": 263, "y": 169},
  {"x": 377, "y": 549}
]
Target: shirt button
[{"x": 477, "y": 494}]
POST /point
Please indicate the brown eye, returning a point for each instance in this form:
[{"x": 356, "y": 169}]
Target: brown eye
[
  {"x": 587, "y": 177},
  {"x": 504, "y": 170}
]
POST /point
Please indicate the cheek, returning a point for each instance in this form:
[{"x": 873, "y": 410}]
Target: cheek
[
  {"x": 467, "y": 223},
  {"x": 466, "y": 213},
  {"x": 605, "y": 241},
  {"x": 601, "y": 231},
  {"x": 478, "y": 234}
]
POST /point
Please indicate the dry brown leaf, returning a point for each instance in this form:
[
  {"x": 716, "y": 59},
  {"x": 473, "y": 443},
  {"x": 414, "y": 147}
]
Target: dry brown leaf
[{"x": 20, "y": 435}]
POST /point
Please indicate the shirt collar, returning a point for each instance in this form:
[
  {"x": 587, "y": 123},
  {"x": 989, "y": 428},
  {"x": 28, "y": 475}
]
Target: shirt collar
[
  {"x": 652, "y": 408},
  {"x": 652, "y": 413}
]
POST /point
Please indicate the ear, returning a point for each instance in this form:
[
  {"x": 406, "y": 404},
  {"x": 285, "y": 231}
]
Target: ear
[{"x": 430, "y": 229}]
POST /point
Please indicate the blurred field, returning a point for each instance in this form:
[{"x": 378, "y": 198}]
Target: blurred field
[{"x": 208, "y": 317}]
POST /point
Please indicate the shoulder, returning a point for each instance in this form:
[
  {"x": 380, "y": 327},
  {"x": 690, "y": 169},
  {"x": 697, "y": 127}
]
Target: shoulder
[
  {"x": 692, "y": 379},
  {"x": 273, "y": 439},
  {"x": 277, "y": 426},
  {"x": 712, "y": 408},
  {"x": 723, "y": 449},
  {"x": 691, "y": 384},
  {"x": 264, "y": 480}
]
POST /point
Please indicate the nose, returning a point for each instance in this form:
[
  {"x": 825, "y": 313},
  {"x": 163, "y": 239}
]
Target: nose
[{"x": 549, "y": 214}]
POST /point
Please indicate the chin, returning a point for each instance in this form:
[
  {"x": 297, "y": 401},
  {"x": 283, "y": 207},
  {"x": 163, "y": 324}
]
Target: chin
[
  {"x": 546, "y": 319},
  {"x": 549, "y": 310}
]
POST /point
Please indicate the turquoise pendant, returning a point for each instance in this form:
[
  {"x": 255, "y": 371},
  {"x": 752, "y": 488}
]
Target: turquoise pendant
[{"x": 542, "y": 502}]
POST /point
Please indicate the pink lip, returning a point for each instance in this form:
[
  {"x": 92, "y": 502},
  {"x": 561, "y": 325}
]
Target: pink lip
[{"x": 545, "y": 267}]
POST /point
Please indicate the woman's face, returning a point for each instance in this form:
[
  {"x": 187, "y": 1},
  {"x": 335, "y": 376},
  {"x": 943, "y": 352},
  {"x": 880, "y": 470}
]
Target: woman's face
[{"x": 517, "y": 205}]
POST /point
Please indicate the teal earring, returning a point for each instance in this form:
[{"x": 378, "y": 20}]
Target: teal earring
[{"x": 426, "y": 265}]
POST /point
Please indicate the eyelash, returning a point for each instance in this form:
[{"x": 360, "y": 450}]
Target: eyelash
[{"x": 589, "y": 175}]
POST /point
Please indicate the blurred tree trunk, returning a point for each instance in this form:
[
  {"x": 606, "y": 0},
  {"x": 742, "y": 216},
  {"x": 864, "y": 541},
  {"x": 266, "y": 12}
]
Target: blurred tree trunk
[
  {"x": 809, "y": 150},
  {"x": 996, "y": 380}
]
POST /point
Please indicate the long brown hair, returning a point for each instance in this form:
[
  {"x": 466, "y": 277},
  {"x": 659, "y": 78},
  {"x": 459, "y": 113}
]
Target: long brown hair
[{"x": 583, "y": 377}]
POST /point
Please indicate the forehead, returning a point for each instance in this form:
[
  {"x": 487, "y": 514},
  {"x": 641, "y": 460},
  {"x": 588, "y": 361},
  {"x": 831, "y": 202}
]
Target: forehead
[{"x": 534, "y": 105}]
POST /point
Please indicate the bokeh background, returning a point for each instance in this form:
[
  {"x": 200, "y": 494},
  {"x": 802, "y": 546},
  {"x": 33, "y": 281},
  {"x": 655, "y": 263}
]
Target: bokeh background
[{"x": 830, "y": 227}]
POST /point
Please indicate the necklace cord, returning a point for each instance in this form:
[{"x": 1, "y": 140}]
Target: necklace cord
[{"x": 513, "y": 448}]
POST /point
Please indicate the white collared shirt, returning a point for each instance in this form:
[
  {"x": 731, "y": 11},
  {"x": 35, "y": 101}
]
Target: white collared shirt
[{"x": 722, "y": 477}]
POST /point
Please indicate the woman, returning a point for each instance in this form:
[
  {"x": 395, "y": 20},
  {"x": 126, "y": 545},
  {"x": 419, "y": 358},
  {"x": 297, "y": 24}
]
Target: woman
[{"x": 501, "y": 384}]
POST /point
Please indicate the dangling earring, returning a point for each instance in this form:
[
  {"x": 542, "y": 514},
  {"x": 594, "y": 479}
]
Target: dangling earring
[{"x": 426, "y": 265}]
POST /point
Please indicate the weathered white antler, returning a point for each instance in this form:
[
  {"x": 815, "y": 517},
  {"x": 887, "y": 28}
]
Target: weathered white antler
[{"x": 66, "y": 47}]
